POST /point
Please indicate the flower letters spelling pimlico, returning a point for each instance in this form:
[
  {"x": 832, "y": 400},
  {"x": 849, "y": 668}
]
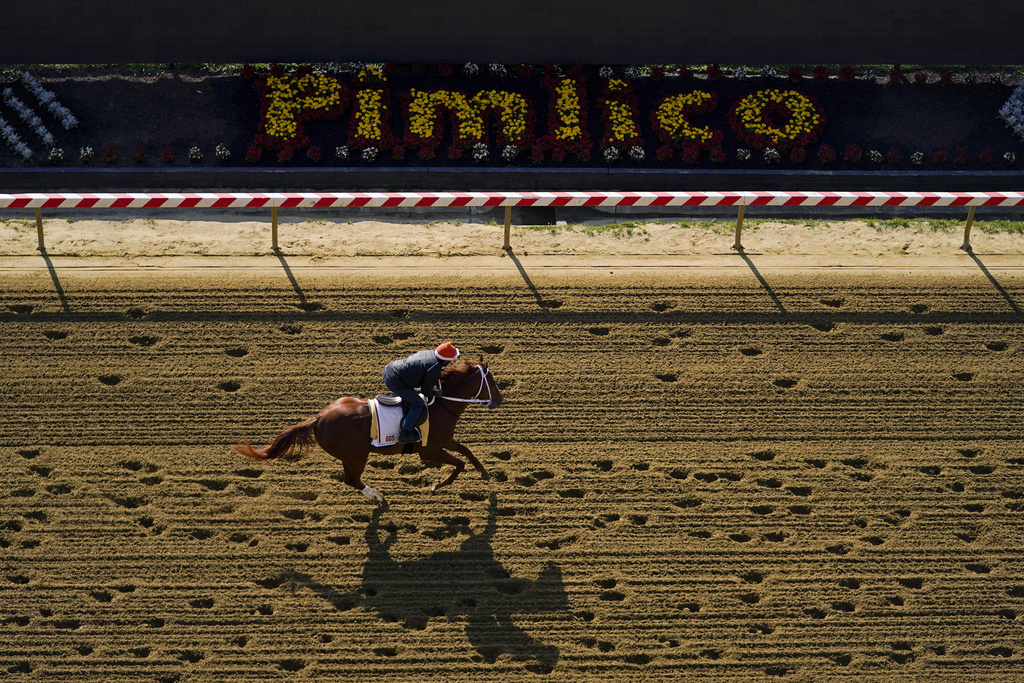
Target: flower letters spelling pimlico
[{"x": 506, "y": 120}]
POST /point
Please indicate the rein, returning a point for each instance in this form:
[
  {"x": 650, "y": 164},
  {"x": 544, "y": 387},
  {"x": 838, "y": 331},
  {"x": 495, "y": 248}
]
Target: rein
[{"x": 484, "y": 374}]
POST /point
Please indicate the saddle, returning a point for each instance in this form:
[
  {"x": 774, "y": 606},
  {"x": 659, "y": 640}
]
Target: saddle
[
  {"x": 391, "y": 400},
  {"x": 386, "y": 414}
]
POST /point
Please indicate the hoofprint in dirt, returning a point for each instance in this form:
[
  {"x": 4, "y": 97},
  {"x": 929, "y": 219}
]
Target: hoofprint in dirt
[{"x": 724, "y": 478}]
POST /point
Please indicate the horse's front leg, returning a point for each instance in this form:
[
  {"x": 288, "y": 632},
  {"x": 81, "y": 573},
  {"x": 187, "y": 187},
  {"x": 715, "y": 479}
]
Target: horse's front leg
[
  {"x": 468, "y": 454},
  {"x": 442, "y": 457}
]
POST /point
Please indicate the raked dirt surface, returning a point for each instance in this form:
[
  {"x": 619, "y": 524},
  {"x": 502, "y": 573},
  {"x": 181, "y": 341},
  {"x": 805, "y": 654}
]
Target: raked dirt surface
[{"x": 745, "y": 472}]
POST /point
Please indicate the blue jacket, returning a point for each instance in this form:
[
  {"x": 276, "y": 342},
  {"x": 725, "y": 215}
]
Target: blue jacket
[{"x": 421, "y": 370}]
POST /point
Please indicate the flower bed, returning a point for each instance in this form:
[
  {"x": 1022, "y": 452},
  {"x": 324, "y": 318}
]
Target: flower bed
[{"x": 796, "y": 117}]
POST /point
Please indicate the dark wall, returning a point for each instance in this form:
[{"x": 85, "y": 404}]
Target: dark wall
[{"x": 933, "y": 32}]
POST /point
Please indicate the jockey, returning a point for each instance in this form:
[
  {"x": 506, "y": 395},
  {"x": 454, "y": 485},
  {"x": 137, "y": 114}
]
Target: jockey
[{"x": 416, "y": 374}]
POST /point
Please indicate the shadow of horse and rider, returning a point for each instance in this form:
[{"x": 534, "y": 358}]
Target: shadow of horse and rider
[{"x": 469, "y": 582}]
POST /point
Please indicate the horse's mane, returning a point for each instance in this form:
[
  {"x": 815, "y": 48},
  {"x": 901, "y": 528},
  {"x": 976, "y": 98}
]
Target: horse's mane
[{"x": 454, "y": 373}]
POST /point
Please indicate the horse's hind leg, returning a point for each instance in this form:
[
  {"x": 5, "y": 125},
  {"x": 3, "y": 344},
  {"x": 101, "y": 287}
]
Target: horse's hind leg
[
  {"x": 353, "y": 474},
  {"x": 442, "y": 457},
  {"x": 468, "y": 454}
]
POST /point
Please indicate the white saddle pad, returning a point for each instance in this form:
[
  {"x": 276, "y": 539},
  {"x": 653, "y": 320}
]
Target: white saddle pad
[{"x": 386, "y": 422}]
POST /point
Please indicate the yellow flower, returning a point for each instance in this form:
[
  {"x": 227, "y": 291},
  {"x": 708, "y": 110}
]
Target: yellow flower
[
  {"x": 286, "y": 103},
  {"x": 567, "y": 105},
  {"x": 803, "y": 119}
]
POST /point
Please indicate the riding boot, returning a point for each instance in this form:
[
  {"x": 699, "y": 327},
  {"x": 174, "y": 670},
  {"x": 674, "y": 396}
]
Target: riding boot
[{"x": 409, "y": 435}]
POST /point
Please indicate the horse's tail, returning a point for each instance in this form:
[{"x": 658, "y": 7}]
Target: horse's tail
[{"x": 292, "y": 444}]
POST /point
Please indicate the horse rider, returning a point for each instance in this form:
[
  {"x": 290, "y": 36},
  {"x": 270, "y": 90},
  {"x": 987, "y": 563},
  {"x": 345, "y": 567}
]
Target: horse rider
[{"x": 417, "y": 374}]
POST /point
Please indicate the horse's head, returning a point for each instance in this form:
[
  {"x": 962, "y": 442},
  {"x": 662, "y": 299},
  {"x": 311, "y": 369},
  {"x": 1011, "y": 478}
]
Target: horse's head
[
  {"x": 472, "y": 382},
  {"x": 492, "y": 386}
]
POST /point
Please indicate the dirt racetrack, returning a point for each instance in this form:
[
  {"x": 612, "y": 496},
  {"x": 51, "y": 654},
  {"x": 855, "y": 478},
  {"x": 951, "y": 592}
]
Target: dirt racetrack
[{"x": 756, "y": 475}]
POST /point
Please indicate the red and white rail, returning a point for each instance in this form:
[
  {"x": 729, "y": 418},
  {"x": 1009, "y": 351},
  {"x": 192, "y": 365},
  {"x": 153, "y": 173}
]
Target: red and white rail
[{"x": 327, "y": 200}]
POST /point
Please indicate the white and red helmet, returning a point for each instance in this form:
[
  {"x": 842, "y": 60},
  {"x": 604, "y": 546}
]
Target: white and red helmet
[{"x": 446, "y": 352}]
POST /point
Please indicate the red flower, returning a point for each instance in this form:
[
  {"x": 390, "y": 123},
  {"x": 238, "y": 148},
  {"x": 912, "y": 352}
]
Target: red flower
[
  {"x": 444, "y": 69},
  {"x": 821, "y": 73},
  {"x": 920, "y": 77},
  {"x": 690, "y": 153},
  {"x": 896, "y": 77},
  {"x": 826, "y": 154},
  {"x": 111, "y": 155},
  {"x": 419, "y": 69},
  {"x": 846, "y": 73},
  {"x": 854, "y": 154},
  {"x": 254, "y": 154},
  {"x": 658, "y": 73},
  {"x": 285, "y": 155},
  {"x": 714, "y": 72},
  {"x": 986, "y": 156},
  {"x": 946, "y": 76},
  {"x": 961, "y": 156},
  {"x": 940, "y": 156},
  {"x": 140, "y": 155},
  {"x": 167, "y": 154},
  {"x": 893, "y": 156},
  {"x": 798, "y": 155},
  {"x": 314, "y": 153},
  {"x": 685, "y": 71},
  {"x": 795, "y": 74},
  {"x": 525, "y": 71}
]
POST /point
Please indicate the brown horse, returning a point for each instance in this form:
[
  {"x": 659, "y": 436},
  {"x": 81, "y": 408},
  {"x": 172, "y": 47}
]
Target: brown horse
[{"x": 343, "y": 429}]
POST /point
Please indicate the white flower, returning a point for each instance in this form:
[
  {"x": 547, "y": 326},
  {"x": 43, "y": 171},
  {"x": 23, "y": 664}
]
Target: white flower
[
  {"x": 341, "y": 152},
  {"x": 222, "y": 152},
  {"x": 510, "y": 153},
  {"x": 739, "y": 72},
  {"x": 48, "y": 100},
  {"x": 1009, "y": 158},
  {"x": 917, "y": 158},
  {"x": 606, "y": 72},
  {"x": 768, "y": 71},
  {"x": 742, "y": 154},
  {"x": 875, "y": 156},
  {"x": 480, "y": 152},
  {"x": 471, "y": 69},
  {"x": 195, "y": 154},
  {"x": 632, "y": 72},
  {"x": 1013, "y": 111},
  {"x": 86, "y": 154},
  {"x": 772, "y": 156},
  {"x": 636, "y": 153},
  {"x": 611, "y": 154},
  {"x": 56, "y": 154},
  {"x": 498, "y": 70},
  {"x": 370, "y": 154}
]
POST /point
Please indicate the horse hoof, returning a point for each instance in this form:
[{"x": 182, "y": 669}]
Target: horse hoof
[{"x": 485, "y": 475}]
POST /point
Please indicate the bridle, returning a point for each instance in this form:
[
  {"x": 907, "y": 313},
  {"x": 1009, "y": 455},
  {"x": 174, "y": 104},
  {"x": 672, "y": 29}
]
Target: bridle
[{"x": 484, "y": 384}]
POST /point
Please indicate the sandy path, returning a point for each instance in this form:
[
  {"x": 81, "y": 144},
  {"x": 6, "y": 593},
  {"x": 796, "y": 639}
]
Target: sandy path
[{"x": 804, "y": 471}]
